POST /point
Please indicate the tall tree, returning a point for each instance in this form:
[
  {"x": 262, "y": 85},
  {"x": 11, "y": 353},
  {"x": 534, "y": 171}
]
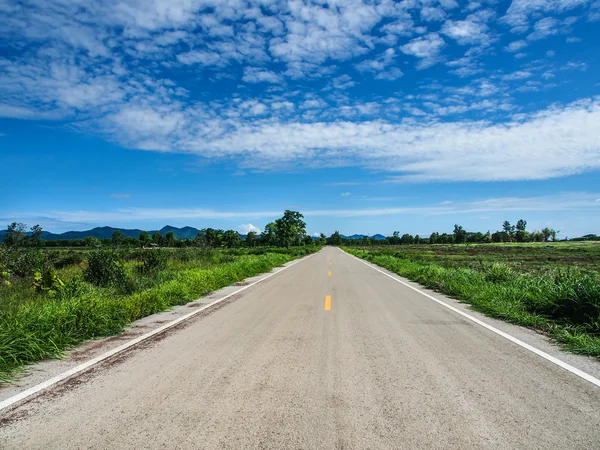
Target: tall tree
[{"x": 290, "y": 229}]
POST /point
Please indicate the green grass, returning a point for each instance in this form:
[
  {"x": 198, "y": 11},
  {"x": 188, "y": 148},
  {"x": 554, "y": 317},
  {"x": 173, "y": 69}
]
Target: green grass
[
  {"x": 557, "y": 298},
  {"x": 35, "y": 326}
]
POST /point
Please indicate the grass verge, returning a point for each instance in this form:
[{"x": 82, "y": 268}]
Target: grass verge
[
  {"x": 41, "y": 329},
  {"x": 565, "y": 303}
]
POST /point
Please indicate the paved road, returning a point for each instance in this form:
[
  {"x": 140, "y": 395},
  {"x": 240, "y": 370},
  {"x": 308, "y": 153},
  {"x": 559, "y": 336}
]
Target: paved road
[{"x": 376, "y": 365}]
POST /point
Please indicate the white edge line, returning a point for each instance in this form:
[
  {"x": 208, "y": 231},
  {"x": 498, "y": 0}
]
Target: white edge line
[
  {"x": 537, "y": 351},
  {"x": 86, "y": 365}
]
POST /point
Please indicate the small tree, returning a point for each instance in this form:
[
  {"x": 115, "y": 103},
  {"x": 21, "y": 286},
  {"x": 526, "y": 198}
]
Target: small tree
[
  {"x": 460, "y": 235},
  {"x": 269, "y": 236},
  {"x": 335, "y": 238},
  {"x": 35, "y": 236},
  {"x": 145, "y": 238},
  {"x": 251, "y": 239},
  {"x": 15, "y": 235},
  {"x": 170, "y": 239},
  {"x": 157, "y": 238},
  {"x": 231, "y": 239},
  {"x": 91, "y": 241},
  {"x": 117, "y": 237},
  {"x": 508, "y": 229},
  {"x": 521, "y": 233}
]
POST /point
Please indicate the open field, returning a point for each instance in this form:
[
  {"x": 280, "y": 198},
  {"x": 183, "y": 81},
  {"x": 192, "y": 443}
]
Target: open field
[
  {"x": 554, "y": 288},
  {"x": 82, "y": 295}
]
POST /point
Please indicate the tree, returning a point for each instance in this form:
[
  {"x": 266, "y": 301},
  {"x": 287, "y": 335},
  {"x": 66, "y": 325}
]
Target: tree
[
  {"x": 322, "y": 239},
  {"x": 170, "y": 239},
  {"x": 91, "y": 241},
  {"x": 434, "y": 238},
  {"x": 521, "y": 234},
  {"x": 269, "y": 236},
  {"x": 144, "y": 238},
  {"x": 15, "y": 235},
  {"x": 460, "y": 235},
  {"x": 290, "y": 229},
  {"x": 335, "y": 238},
  {"x": 157, "y": 238},
  {"x": 508, "y": 229},
  {"x": 406, "y": 239},
  {"x": 117, "y": 237},
  {"x": 395, "y": 238},
  {"x": 251, "y": 239},
  {"x": 231, "y": 239},
  {"x": 35, "y": 236},
  {"x": 308, "y": 240}
]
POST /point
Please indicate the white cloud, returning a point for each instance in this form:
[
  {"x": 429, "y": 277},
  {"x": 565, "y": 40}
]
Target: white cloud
[
  {"x": 515, "y": 46},
  {"x": 561, "y": 201},
  {"x": 427, "y": 48},
  {"x": 258, "y": 75},
  {"x": 246, "y": 228},
  {"x": 345, "y": 194},
  {"x": 466, "y": 31}
]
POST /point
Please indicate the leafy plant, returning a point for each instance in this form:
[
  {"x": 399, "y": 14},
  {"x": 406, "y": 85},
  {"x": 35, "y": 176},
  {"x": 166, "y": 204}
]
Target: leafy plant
[
  {"x": 47, "y": 282},
  {"x": 4, "y": 277}
]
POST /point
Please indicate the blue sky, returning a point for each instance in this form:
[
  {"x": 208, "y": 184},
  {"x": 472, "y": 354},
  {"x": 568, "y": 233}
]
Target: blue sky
[{"x": 367, "y": 116}]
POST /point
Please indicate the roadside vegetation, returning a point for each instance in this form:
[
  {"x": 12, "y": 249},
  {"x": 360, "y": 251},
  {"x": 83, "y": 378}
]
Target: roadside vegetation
[
  {"x": 54, "y": 298},
  {"x": 553, "y": 287}
]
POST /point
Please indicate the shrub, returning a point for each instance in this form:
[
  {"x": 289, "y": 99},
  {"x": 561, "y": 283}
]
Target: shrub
[
  {"x": 25, "y": 263},
  {"x": 105, "y": 268},
  {"x": 152, "y": 260}
]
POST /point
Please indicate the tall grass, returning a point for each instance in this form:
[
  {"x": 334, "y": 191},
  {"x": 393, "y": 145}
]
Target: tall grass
[
  {"x": 564, "y": 302},
  {"x": 42, "y": 327}
]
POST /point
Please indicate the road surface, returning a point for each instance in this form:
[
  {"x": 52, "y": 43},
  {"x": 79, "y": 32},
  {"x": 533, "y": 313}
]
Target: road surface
[{"x": 328, "y": 354}]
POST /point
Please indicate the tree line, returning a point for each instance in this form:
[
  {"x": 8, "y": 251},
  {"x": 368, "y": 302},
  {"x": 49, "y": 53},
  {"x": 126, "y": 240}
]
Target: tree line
[
  {"x": 287, "y": 231},
  {"x": 509, "y": 233}
]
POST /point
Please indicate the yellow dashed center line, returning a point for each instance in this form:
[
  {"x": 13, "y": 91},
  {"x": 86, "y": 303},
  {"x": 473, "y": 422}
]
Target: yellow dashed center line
[
  {"x": 328, "y": 303},
  {"x": 329, "y": 273}
]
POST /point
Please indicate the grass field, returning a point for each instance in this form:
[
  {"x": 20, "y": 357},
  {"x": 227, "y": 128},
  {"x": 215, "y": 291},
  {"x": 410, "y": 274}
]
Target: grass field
[
  {"x": 84, "y": 295},
  {"x": 554, "y": 288}
]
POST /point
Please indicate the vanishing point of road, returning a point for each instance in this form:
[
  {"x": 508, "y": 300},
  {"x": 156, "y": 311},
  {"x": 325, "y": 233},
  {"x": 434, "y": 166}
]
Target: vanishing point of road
[{"x": 330, "y": 354}]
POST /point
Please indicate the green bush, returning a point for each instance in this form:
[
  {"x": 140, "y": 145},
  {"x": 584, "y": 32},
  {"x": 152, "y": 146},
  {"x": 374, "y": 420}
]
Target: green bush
[
  {"x": 105, "y": 268},
  {"x": 153, "y": 260}
]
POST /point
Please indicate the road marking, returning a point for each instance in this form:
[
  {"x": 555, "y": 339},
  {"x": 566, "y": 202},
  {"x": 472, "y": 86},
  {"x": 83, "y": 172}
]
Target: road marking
[
  {"x": 329, "y": 273},
  {"x": 328, "y": 303},
  {"x": 574, "y": 370},
  {"x": 86, "y": 365}
]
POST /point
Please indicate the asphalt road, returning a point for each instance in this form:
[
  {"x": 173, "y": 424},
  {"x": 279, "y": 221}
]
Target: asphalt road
[{"x": 374, "y": 365}]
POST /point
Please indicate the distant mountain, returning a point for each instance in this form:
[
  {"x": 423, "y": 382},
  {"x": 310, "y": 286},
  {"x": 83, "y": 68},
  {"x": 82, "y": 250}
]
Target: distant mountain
[
  {"x": 180, "y": 233},
  {"x": 377, "y": 237},
  {"x": 107, "y": 232}
]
